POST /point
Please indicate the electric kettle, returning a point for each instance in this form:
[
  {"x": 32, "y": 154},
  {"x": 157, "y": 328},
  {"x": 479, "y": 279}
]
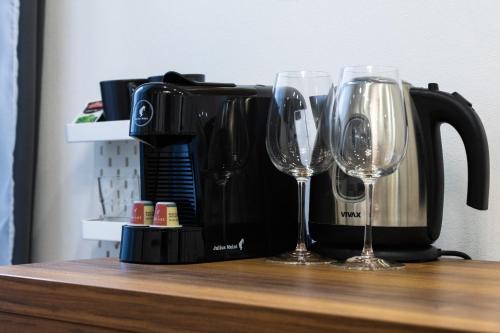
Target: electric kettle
[{"x": 408, "y": 204}]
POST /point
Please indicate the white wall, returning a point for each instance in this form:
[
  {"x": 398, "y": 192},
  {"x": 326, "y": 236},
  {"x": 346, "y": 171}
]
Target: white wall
[{"x": 452, "y": 42}]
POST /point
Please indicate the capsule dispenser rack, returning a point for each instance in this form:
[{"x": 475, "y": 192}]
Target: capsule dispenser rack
[
  {"x": 116, "y": 186},
  {"x": 117, "y": 167}
]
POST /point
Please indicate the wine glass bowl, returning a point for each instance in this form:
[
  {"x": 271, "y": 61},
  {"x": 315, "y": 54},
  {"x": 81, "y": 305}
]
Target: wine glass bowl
[
  {"x": 297, "y": 142},
  {"x": 360, "y": 153},
  {"x": 369, "y": 137},
  {"x": 229, "y": 143}
]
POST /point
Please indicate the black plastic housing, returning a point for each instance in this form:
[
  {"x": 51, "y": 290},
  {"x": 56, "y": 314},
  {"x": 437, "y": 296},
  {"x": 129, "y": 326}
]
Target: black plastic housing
[
  {"x": 149, "y": 245},
  {"x": 115, "y": 95}
]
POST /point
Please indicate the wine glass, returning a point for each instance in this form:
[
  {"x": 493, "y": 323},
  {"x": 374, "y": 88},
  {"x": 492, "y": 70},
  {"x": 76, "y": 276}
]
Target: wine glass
[
  {"x": 369, "y": 137},
  {"x": 297, "y": 142},
  {"x": 228, "y": 150}
]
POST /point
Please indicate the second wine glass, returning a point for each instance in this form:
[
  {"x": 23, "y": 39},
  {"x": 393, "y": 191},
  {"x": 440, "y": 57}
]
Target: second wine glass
[
  {"x": 369, "y": 139},
  {"x": 297, "y": 142}
]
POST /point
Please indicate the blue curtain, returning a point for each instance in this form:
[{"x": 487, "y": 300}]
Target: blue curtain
[{"x": 9, "y": 24}]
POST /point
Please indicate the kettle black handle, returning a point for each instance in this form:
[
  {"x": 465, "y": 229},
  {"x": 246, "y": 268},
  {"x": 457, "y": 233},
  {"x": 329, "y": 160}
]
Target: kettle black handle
[{"x": 436, "y": 107}]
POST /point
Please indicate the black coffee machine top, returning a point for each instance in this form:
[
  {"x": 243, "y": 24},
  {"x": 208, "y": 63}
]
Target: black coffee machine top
[
  {"x": 409, "y": 203},
  {"x": 203, "y": 147},
  {"x": 116, "y": 94}
]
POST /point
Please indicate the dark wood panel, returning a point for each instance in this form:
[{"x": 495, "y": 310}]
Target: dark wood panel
[
  {"x": 241, "y": 295},
  {"x": 23, "y": 324},
  {"x": 139, "y": 312}
]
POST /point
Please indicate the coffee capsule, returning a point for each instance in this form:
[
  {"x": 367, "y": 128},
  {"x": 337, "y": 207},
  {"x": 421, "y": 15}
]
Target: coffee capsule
[
  {"x": 166, "y": 215},
  {"x": 142, "y": 213}
]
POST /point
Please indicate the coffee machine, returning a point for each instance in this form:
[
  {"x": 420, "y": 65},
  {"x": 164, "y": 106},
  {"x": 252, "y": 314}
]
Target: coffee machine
[
  {"x": 408, "y": 204},
  {"x": 202, "y": 147}
]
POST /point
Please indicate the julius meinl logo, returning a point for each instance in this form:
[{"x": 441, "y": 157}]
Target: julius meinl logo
[
  {"x": 143, "y": 113},
  {"x": 350, "y": 214},
  {"x": 238, "y": 246}
]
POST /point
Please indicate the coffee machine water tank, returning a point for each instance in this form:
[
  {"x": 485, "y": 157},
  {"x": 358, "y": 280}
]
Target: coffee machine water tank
[{"x": 408, "y": 204}]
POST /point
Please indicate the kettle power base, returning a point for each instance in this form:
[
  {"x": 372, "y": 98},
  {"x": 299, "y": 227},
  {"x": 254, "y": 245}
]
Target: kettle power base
[{"x": 429, "y": 253}]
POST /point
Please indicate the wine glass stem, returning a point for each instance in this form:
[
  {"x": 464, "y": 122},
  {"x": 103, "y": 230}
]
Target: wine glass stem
[
  {"x": 224, "y": 217},
  {"x": 367, "y": 247},
  {"x": 302, "y": 218}
]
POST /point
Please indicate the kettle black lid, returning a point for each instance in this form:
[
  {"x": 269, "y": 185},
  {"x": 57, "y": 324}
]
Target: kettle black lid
[
  {"x": 190, "y": 80},
  {"x": 194, "y": 77}
]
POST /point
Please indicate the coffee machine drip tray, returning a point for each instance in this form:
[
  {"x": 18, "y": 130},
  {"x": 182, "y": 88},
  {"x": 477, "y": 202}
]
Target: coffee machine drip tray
[
  {"x": 182, "y": 245},
  {"x": 148, "y": 245}
]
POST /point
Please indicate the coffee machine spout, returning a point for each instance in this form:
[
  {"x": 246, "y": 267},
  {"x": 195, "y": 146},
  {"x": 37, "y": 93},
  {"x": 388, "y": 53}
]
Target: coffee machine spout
[{"x": 158, "y": 116}]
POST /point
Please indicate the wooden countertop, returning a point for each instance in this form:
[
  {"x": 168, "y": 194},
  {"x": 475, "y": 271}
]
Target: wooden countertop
[{"x": 249, "y": 295}]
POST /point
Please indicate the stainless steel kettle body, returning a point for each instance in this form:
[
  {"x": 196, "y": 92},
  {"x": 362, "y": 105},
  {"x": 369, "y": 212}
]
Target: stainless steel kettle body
[{"x": 408, "y": 204}]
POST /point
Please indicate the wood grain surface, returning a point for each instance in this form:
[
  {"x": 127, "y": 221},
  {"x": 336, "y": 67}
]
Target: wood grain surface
[
  {"x": 10, "y": 323},
  {"x": 251, "y": 295}
]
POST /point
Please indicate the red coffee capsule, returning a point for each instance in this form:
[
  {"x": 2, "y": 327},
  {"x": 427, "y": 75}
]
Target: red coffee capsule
[
  {"x": 166, "y": 215},
  {"x": 142, "y": 213}
]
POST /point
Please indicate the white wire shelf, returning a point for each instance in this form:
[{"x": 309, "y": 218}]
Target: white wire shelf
[
  {"x": 103, "y": 229},
  {"x": 100, "y": 131}
]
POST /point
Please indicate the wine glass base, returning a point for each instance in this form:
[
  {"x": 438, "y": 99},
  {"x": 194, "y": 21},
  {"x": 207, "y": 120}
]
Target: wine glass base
[
  {"x": 365, "y": 263},
  {"x": 300, "y": 258}
]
